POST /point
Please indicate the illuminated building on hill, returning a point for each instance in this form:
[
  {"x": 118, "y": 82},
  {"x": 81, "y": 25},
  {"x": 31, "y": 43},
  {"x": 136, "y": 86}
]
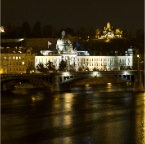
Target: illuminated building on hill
[{"x": 108, "y": 33}]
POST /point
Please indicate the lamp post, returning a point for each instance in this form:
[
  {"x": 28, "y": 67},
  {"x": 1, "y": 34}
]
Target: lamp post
[
  {"x": 138, "y": 62},
  {"x": 138, "y": 85}
]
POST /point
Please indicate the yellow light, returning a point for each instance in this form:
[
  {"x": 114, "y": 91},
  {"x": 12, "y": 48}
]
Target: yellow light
[
  {"x": 109, "y": 85},
  {"x": 87, "y": 85},
  {"x": 1, "y": 70},
  {"x": 33, "y": 98},
  {"x": 66, "y": 73}
]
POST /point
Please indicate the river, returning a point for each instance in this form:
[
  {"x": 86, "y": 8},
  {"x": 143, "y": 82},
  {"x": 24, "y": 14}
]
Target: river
[{"x": 36, "y": 116}]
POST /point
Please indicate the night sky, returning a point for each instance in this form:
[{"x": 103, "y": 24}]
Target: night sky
[{"x": 125, "y": 14}]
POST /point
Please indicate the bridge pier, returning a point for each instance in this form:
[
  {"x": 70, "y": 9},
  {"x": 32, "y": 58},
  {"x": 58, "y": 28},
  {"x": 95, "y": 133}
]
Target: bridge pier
[
  {"x": 55, "y": 83},
  {"x": 4, "y": 87},
  {"x": 138, "y": 85}
]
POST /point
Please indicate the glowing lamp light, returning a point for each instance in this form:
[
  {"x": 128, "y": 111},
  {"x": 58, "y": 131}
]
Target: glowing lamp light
[
  {"x": 109, "y": 85},
  {"x": 66, "y": 73},
  {"x": 2, "y": 29},
  {"x": 95, "y": 74},
  {"x": 87, "y": 85}
]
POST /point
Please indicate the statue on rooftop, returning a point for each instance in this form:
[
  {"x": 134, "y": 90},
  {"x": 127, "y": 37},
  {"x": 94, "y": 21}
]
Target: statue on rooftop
[{"x": 64, "y": 45}]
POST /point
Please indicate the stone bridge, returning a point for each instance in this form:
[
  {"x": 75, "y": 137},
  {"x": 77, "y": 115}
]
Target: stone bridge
[{"x": 62, "y": 79}]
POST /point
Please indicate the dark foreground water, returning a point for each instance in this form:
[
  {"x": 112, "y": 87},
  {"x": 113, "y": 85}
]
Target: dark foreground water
[{"x": 86, "y": 117}]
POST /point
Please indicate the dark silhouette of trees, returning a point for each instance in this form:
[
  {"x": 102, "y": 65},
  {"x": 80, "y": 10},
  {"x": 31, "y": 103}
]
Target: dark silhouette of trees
[
  {"x": 45, "y": 68},
  {"x": 26, "y": 30},
  {"x": 40, "y": 67},
  {"x": 62, "y": 65},
  {"x": 50, "y": 66},
  {"x": 48, "y": 31},
  {"x": 37, "y": 30}
]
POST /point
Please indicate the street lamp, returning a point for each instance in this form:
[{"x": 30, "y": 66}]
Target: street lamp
[{"x": 138, "y": 62}]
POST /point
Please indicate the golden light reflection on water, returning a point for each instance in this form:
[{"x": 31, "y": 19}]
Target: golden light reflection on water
[
  {"x": 68, "y": 99},
  {"x": 140, "y": 118},
  {"x": 144, "y": 118},
  {"x": 64, "y": 105}
]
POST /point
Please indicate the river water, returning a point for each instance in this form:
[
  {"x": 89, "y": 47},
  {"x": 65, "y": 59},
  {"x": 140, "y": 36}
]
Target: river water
[{"x": 35, "y": 116}]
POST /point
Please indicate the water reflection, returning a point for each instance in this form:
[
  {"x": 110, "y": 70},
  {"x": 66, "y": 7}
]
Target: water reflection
[
  {"x": 87, "y": 118},
  {"x": 140, "y": 118},
  {"x": 144, "y": 119}
]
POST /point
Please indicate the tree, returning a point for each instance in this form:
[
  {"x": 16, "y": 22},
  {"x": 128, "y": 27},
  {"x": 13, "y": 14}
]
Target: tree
[
  {"x": 62, "y": 65},
  {"x": 40, "y": 67},
  {"x": 26, "y": 30},
  {"x": 36, "y": 31},
  {"x": 47, "y": 31},
  {"x": 80, "y": 69},
  {"x": 50, "y": 66}
]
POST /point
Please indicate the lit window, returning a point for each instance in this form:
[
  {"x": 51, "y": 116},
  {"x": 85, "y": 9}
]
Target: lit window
[
  {"x": 16, "y": 57},
  {"x": 13, "y": 57},
  {"x": 23, "y": 63},
  {"x": 19, "y": 57}
]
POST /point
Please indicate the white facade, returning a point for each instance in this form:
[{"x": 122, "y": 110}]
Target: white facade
[{"x": 102, "y": 63}]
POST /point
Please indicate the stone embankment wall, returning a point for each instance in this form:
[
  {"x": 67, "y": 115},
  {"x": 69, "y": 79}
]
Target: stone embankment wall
[{"x": 99, "y": 80}]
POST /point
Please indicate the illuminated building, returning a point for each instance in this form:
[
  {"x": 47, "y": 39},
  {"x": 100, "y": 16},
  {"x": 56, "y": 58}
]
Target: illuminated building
[
  {"x": 16, "y": 60},
  {"x": 83, "y": 61},
  {"x": 109, "y": 33}
]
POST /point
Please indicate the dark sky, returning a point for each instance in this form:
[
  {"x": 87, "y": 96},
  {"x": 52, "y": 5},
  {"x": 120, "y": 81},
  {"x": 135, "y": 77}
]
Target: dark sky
[{"x": 126, "y": 14}]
